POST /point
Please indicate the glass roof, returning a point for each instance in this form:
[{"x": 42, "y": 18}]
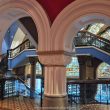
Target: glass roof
[
  {"x": 95, "y": 28},
  {"x": 18, "y": 38},
  {"x": 99, "y": 29},
  {"x": 106, "y": 35}
]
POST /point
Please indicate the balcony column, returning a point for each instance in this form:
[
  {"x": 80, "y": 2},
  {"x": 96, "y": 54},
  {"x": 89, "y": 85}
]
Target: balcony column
[
  {"x": 86, "y": 67},
  {"x": 32, "y": 61},
  {"x": 55, "y": 94},
  {"x": 87, "y": 72}
]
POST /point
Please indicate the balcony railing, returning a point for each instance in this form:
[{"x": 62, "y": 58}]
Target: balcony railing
[
  {"x": 25, "y": 45},
  {"x": 85, "y": 38},
  {"x": 14, "y": 86},
  {"x": 88, "y": 92}
]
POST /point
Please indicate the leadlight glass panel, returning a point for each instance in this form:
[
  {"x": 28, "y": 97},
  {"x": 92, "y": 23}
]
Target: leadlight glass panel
[
  {"x": 106, "y": 35},
  {"x": 72, "y": 70},
  {"x": 95, "y": 28}
]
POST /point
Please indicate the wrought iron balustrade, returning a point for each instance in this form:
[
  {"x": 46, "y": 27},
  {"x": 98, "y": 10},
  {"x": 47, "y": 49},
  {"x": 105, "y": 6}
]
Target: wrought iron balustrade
[
  {"x": 88, "y": 92},
  {"x": 25, "y": 45},
  {"x": 85, "y": 38},
  {"x": 14, "y": 86}
]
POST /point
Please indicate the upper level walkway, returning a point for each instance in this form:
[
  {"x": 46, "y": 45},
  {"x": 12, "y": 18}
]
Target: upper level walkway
[{"x": 87, "y": 43}]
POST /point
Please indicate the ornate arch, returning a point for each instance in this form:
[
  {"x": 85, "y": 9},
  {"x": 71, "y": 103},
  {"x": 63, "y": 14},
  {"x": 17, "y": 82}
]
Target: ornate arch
[
  {"x": 73, "y": 18},
  {"x": 12, "y": 10}
]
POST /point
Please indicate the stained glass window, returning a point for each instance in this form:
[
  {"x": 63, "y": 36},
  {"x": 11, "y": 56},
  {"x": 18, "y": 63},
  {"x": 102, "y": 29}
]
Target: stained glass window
[
  {"x": 72, "y": 70},
  {"x": 106, "y": 35},
  {"x": 95, "y": 28},
  {"x": 103, "y": 71}
]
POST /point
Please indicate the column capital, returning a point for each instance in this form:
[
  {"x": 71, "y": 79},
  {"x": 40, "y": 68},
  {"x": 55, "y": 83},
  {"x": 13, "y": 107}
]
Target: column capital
[{"x": 55, "y": 58}]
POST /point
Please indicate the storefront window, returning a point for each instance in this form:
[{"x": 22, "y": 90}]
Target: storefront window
[
  {"x": 103, "y": 71},
  {"x": 72, "y": 70}
]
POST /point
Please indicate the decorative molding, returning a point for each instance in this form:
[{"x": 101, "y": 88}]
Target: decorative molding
[{"x": 57, "y": 52}]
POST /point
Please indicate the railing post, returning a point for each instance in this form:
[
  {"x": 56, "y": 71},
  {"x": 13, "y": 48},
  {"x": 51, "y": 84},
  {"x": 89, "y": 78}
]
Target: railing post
[
  {"x": 100, "y": 92},
  {"x": 107, "y": 93},
  {"x": 41, "y": 91}
]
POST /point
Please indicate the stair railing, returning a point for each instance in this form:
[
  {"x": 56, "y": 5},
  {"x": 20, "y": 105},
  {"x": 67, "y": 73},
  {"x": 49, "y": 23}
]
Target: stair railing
[
  {"x": 15, "y": 86},
  {"x": 85, "y": 38}
]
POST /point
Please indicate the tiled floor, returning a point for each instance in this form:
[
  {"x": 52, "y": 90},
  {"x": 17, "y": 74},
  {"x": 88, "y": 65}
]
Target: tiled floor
[
  {"x": 18, "y": 103},
  {"x": 22, "y": 103},
  {"x": 95, "y": 107}
]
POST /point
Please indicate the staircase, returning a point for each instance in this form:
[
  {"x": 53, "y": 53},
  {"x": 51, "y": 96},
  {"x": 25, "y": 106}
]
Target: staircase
[
  {"x": 17, "y": 95},
  {"x": 87, "y": 43}
]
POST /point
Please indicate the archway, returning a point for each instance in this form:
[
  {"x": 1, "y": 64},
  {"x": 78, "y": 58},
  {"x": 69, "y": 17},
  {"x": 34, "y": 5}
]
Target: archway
[
  {"x": 13, "y": 10},
  {"x": 65, "y": 27},
  {"x": 70, "y": 22}
]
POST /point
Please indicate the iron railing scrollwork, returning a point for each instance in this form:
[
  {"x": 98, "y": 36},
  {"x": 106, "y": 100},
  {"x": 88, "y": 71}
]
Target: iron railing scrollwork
[
  {"x": 88, "y": 92},
  {"x": 14, "y": 86},
  {"x": 85, "y": 38},
  {"x": 25, "y": 45}
]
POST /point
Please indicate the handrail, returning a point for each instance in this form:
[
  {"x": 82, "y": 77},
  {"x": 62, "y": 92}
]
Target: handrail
[
  {"x": 88, "y": 91},
  {"x": 36, "y": 93},
  {"x": 102, "y": 81},
  {"x": 99, "y": 37},
  {"x": 24, "y": 45},
  {"x": 20, "y": 44},
  {"x": 85, "y": 38}
]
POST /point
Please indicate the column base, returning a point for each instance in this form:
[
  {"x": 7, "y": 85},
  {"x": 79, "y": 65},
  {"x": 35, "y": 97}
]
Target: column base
[{"x": 55, "y": 103}]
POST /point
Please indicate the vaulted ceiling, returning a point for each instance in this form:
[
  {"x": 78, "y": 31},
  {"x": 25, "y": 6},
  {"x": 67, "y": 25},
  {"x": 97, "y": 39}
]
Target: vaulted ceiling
[{"x": 54, "y": 7}]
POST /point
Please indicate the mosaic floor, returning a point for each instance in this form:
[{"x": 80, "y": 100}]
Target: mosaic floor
[
  {"x": 91, "y": 107},
  {"x": 18, "y": 103},
  {"x": 95, "y": 107},
  {"x": 23, "y": 103}
]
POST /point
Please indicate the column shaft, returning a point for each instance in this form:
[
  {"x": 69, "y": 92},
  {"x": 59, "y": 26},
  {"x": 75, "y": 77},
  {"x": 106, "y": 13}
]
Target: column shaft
[{"x": 55, "y": 81}]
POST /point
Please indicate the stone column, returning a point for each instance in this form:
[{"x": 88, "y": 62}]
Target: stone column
[
  {"x": 32, "y": 61},
  {"x": 55, "y": 95}
]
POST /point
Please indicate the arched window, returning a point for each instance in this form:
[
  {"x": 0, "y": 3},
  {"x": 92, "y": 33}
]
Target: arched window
[{"x": 72, "y": 69}]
